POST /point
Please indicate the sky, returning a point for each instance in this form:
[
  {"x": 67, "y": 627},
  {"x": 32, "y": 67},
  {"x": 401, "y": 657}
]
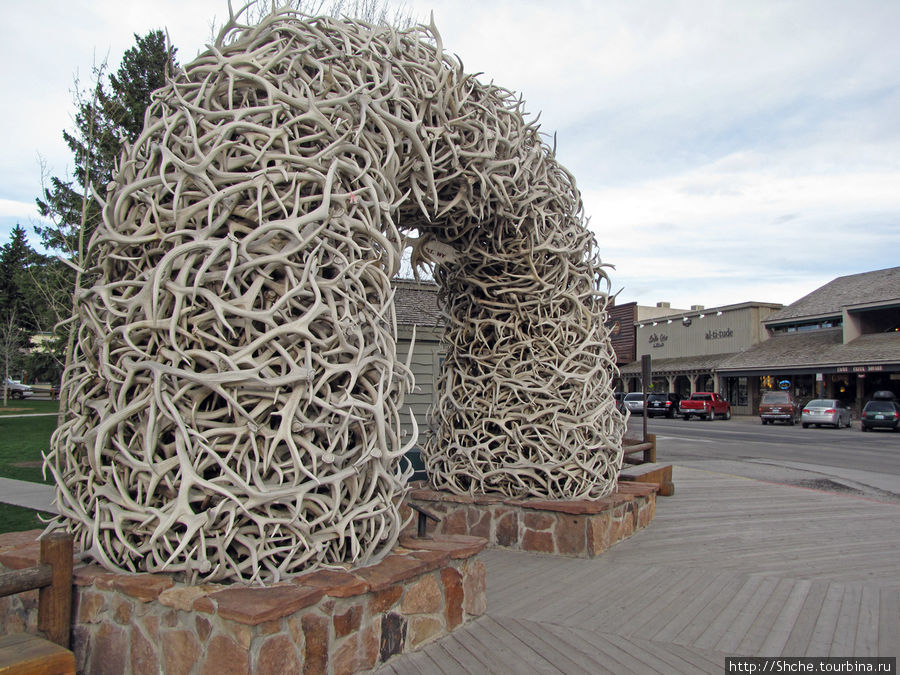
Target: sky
[{"x": 726, "y": 151}]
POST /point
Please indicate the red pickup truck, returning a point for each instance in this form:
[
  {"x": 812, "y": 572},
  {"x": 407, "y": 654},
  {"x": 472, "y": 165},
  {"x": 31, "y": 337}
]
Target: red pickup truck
[{"x": 707, "y": 405}]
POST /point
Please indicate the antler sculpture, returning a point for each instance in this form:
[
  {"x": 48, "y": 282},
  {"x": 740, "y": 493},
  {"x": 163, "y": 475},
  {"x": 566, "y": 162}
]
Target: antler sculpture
[{"x": 236, "y": 393}]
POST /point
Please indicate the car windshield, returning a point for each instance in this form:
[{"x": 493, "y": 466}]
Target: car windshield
[
  {"x": 822, "y": 403},
  {"x": 657, "y": 397},
  {"x": 775, "y": 397},
  {"x": 879, "y": 406}
]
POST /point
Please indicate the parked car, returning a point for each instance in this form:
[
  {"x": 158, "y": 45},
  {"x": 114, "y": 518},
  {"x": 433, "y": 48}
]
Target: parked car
[
  {"x": 706, "y": 405},
  {"x": 663, "y": 404},
  {"x": 779, "y": 406},
  {"x": 15, "y": 389},
  {"x": 634, "y": 402},
  {"x": 880, "y": 414},
  {"x": 828, "y": 411}
]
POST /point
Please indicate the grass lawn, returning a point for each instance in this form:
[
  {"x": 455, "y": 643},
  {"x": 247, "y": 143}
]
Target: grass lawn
[
  {"x": 16, "y": 518},
  {"x": 22, "y": 440}
]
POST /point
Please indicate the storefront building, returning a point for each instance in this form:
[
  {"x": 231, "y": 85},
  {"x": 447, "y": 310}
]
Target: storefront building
[
  {"x": 687, "y": 349},
  {"x": 840, "y": 341}
]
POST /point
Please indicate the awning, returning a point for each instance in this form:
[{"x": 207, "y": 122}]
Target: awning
[
  {"x": 818, "y": 351},
  {"x": 681, "y": 365}
]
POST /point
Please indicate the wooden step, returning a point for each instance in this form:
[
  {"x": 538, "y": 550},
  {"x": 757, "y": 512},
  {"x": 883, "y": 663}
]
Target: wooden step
[
  {"x": 22, "y": 653},
  {"x": 650, "y": 472}
]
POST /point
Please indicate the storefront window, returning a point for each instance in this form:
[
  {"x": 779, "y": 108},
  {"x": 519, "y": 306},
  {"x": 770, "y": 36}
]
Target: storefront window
[{"x": 736, "y": 391}]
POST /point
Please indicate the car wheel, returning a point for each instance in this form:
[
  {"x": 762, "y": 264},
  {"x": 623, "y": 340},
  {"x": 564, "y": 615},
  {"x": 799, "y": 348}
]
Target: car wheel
[
  {"x": 863, "y": 427},
  {"x": 805, "y": 426},
  {"x": 15, "y": 394},
  {"x": 711, "y": 416},
  {"x": 763, "y": 422},
  {"x": 791, "y": 421},
  {"x": 728, "y": 414}
]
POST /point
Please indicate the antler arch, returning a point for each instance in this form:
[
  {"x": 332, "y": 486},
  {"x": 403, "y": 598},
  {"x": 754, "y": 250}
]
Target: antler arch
[{"x": 236, "y": 396}]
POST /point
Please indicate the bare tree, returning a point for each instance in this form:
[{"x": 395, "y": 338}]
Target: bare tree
[
  {"x": 66, "y": 279},
  {"x": 10, "y": 348}
]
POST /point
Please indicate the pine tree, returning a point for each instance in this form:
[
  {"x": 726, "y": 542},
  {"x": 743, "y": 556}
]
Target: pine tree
[
  {"x": 16, "y": 292},
  {"x": 106, "y": 117}
]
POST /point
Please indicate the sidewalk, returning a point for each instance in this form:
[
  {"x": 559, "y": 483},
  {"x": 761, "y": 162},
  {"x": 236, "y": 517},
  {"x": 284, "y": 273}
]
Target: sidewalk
[{"x": 35, "y": 496}]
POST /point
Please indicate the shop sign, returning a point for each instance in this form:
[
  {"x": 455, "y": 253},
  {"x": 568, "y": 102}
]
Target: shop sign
[
  {"x": 719, "y": 334},
  {"x": 860, "y": 369},
  {"x": 657, "y": 341},
  {"x": 784, "y": 384}
]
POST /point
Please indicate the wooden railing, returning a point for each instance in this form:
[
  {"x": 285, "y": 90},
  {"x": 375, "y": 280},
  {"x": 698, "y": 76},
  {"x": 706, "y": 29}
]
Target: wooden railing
[
  {"x": 646, "y": 448},
  {"x": 52, "y": 577}
]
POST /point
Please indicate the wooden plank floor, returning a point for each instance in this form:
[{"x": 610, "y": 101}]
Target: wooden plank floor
[{"x": 729, "y": 566}]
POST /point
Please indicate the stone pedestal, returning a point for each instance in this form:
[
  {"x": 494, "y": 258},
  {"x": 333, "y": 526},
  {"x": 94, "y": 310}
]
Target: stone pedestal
[
  {"x": 327, "y": 621},
  {"x": 578, "y": 528}
]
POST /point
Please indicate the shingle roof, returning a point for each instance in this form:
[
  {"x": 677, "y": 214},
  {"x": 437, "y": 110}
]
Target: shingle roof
[
  {"x": 817, "y": 348},
  {"x": 416, "y": 303},
  {"x": 678, "y": 364},
  {"x": 854, "y": 289}
]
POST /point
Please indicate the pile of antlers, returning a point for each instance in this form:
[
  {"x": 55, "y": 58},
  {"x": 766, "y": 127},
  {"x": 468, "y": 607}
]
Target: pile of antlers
[{"x": 236, "y": 392}]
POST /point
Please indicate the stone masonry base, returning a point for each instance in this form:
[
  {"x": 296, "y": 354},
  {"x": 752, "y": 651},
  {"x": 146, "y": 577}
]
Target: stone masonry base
[
  {"x": 579, "y": 528},
  {"x": 326, "y": 621}
]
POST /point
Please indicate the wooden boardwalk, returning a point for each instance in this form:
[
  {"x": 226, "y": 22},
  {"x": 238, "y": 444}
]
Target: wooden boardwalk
[{"x": 730, "y": 566}]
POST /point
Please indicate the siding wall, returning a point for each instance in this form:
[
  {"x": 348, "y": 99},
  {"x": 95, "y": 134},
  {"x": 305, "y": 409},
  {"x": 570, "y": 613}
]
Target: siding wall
[
  {"x": 425, "y": 365},
  {"x": 732, "y": 331},
  {"x": 621, "y": 320}
]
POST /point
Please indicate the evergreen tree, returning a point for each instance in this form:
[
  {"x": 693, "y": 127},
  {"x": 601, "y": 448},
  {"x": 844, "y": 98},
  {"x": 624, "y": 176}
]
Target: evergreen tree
[
  {"x": 17, "y": 258},
  {"x": 106, "y": 117}
]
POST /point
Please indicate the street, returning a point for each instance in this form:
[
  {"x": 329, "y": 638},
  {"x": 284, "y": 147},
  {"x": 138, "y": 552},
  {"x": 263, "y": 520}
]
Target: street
[{"x": 836, "y": 460}]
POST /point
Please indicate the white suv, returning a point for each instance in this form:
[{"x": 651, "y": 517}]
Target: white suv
[{"x": 17, "y": 389}]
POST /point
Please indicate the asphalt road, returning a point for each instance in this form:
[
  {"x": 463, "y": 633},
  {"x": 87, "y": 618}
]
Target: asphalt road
[{"x": 837, "y": 460}]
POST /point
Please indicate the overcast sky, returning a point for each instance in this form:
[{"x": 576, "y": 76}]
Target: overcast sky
[{"x": 727, "y": 151}]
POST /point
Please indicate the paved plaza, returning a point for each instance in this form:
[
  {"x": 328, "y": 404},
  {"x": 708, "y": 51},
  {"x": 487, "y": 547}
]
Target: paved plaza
[{"x": 730, "y": 566}]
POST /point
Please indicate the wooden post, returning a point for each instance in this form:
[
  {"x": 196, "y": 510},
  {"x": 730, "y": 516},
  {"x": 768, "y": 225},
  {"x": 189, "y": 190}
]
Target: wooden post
[
  {"x": 55, "y": 600},
  {"x": 645, "y": 376},
  {"x": 650, "y": 455}
]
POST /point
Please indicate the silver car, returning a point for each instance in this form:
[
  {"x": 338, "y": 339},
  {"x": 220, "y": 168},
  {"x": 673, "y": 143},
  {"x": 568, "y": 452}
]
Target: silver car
[
  {"x": 828, "y": 411},
  {"x": 634, "y": 403},
  {"x": 15, "y": 389}
]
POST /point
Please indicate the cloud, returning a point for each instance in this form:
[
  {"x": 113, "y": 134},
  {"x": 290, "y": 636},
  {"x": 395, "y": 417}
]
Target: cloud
[{"x": 725, "y": 151}]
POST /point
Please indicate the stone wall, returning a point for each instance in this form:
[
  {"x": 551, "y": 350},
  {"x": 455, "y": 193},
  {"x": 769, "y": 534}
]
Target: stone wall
[
  {"x": 579, "y": 528},
  {"x": 327, "y": 621}
]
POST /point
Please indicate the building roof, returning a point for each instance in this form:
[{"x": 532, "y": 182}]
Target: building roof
[
  {"x": 678, "y": 365},
  {"x": 645, "y": 312},
  {"x": 415, "y": 303},
  {"x": 822, "y": 348},
  {"x": 868, "y": 288},
  {"x": 691, "y": 313}
]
